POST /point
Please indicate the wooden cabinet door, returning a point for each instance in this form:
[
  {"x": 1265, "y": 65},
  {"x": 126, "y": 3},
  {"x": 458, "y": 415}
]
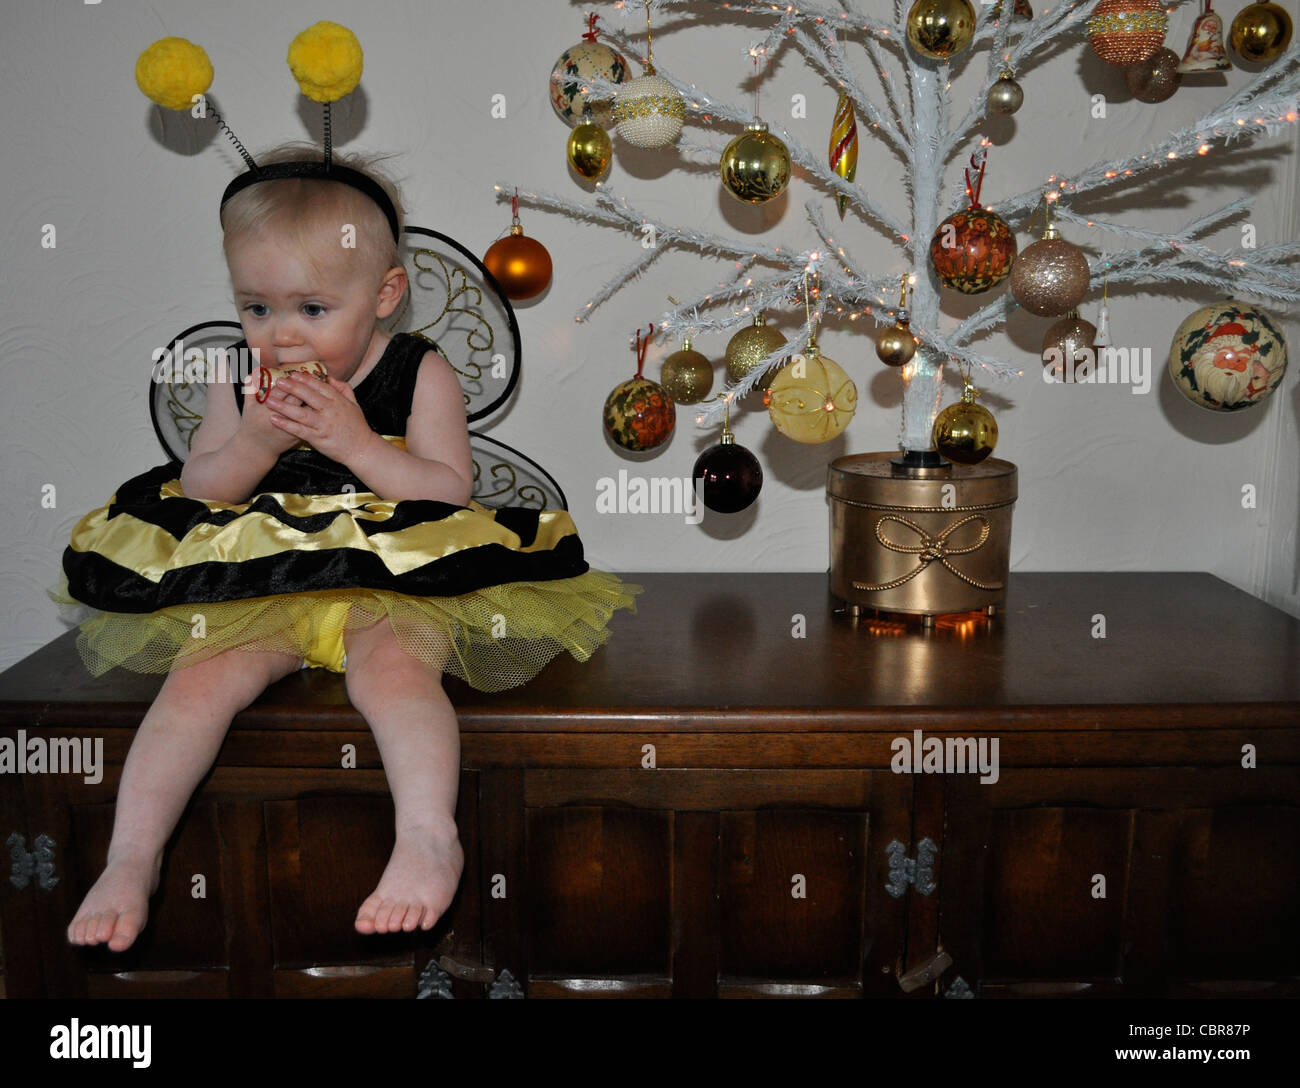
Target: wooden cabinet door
[
  {"x": 1155, "y": 881},
  {"x": 691, "y": 882}
]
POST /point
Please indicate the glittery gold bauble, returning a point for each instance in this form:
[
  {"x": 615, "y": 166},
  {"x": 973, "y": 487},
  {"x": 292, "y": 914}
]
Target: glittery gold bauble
[
  {"x": 1124, "y": 32},
  {"x": 1156, "y": 78},
  {"x": 1260, "y": 32},
  {"x": 1006, "y": 95},
  {"x": 1050, "y": 277},
  {"x": 940, "y": 29},
  {"x": 589, "y": 150},
  {"x": 1067, "y": 345},
  {"x": 687, "y": 375},
  {"x": 896, "y": 345},
  {"x": 748, "y": 348},
  {"x": 965, "y": 432},
  {"x": 519, "y": 264},
  {"x": 755, "y": 167},
  {"x": 812, "y": 398},
  {"x": 640, "y": 414},
  {"x": 649, "y": 112}
]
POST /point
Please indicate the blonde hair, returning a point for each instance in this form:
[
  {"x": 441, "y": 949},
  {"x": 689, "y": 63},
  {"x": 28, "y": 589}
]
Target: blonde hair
[{"x": 315, "y": 212}]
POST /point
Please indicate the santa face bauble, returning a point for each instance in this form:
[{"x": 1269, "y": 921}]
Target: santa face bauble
[{"x": 1228, "y": 356}]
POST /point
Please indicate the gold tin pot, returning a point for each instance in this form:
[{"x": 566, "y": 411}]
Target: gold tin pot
[{"x": 925, "y": 541}]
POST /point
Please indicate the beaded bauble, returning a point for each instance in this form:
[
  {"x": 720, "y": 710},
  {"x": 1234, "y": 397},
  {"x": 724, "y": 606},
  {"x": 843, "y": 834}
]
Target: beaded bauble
[
  {"x": 1124, "y": 32},
  {"x": 812, "y": 398},
  {"x": 649, "y": 112},
  {"x": 749, "y": 347},
  {"x": 1228, "y": 356},
  {"x": 640, "y": 414},
  {"x": 687, "y": 375},
  {"x": 973, "y": 250},
  {"x": 755, "y": 166},
  {"x": 1156, "y": 78},
  {"x": 1051, "y": 277},
  {"x": 576, "y": 65}
]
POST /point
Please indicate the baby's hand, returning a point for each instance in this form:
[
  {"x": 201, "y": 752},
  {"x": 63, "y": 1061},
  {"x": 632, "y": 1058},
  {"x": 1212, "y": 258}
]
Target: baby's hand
[
  {"x": 258, "y": 425},
  {"x": 327, "y": 415}
]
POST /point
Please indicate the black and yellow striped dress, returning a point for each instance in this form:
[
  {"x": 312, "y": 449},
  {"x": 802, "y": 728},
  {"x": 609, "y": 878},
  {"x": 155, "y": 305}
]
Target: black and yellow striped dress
[{"x": 490, "y": 596}]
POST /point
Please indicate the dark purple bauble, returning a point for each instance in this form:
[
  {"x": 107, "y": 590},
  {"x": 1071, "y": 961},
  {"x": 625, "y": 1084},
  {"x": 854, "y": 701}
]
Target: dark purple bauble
[{"x": 732, "y": 477}]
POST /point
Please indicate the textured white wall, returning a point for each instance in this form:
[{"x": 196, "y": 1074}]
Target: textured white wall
[{"x": 1108, "y": 480}]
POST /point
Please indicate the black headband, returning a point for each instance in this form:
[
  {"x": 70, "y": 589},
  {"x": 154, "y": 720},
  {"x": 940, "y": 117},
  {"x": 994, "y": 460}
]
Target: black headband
[{"x": 321, "y": 171}]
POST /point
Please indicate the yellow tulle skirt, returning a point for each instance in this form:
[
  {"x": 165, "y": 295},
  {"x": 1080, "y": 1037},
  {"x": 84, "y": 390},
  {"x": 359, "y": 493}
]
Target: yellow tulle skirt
[{"x": 495, "y": 638}]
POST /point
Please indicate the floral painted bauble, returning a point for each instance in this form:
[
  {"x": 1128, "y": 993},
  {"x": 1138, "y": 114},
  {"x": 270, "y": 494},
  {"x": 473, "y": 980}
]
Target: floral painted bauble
[
  {"x": 1228, "y": 356},
  {"x": 576, "y": 65},
  {"x": 730, "y": 474},
  {"x": 519, "y": 264},
  {"x": 687, "y": 375},
  {"x": 812, "y": 399},
  {"x": 649, "y": 112},
  {"x": 940, "y": 29},
  {"x": 1260, "y": 32},
  {"x": 640, "y": 414},
  {"x": 973, "y": 250},
  {"x": 1051, "y": 276},
  {"x": 1124, "y": 32},
  {"x": 755, "y": 167}
]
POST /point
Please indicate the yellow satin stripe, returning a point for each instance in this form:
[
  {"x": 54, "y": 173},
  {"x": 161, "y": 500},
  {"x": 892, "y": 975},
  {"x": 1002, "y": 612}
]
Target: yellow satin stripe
[{"x": 151, "y": 551}]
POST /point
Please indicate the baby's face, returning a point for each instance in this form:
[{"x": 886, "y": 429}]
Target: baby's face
[{"x": 291, "y": 314}]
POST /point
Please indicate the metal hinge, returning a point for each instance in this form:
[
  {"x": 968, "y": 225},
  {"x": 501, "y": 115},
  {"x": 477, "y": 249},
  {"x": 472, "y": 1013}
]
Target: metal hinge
[
  {"x": 904, "y": 871},
  {"x": 39, "y": 862}
]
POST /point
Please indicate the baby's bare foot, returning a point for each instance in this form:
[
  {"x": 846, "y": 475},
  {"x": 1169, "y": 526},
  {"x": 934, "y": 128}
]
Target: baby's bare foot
[
  {"x": 115, "y": 909},
  {"x": 418, "y": 884}
]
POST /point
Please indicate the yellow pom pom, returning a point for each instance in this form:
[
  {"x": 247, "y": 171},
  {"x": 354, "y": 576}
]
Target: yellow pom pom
[
  {"x": 172, "y": 71},
  {"x": 326, "y": 61}
]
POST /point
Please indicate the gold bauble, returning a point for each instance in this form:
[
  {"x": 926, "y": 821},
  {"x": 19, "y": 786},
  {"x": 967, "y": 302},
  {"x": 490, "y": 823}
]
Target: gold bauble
[
  {"x": 1260, "y": 32},
  {"x": 589, "y": 150},
  {"x": 896, "y": 345},
  {"x": 812, "y": 398},
  {"x": 1069, "y": 345},
  {"x": 748, "y": 348},
  {"x": 965, "y": 432},
  {"x": 1006, "y": 95},
  {"x": 755, "y": 167},
  {"x": 940, "y": 29},
  {"x": 687, "y": 375}
]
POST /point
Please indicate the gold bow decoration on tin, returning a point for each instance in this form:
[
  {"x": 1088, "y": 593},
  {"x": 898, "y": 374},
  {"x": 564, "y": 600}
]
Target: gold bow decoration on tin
[{"x": 930, "y": 549}]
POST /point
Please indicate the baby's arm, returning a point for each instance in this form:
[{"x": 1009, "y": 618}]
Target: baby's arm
[
  {"x": 231, "y": 451},
  {"x": 438, "y": 463}
]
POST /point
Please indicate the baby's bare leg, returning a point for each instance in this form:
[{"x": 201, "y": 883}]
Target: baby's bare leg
[
  {"x": 175, "y": 745},
  {"x": 419, "y": 741}
]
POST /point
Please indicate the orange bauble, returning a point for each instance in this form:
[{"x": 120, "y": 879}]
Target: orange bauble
[{"x": 519, "y": 264}]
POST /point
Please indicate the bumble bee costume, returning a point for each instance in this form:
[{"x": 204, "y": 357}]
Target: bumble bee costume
[{"x": 488, "y": 595}]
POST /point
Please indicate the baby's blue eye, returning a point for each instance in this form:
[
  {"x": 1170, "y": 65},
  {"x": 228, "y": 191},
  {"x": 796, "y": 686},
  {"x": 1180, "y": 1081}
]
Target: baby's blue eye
[
  {"x": 257, "y": 309},
  {"x": 313, "y": 309}
]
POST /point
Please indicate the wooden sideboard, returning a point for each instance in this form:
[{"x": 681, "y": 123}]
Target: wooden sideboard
[{"x": 708, "y": 807}]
